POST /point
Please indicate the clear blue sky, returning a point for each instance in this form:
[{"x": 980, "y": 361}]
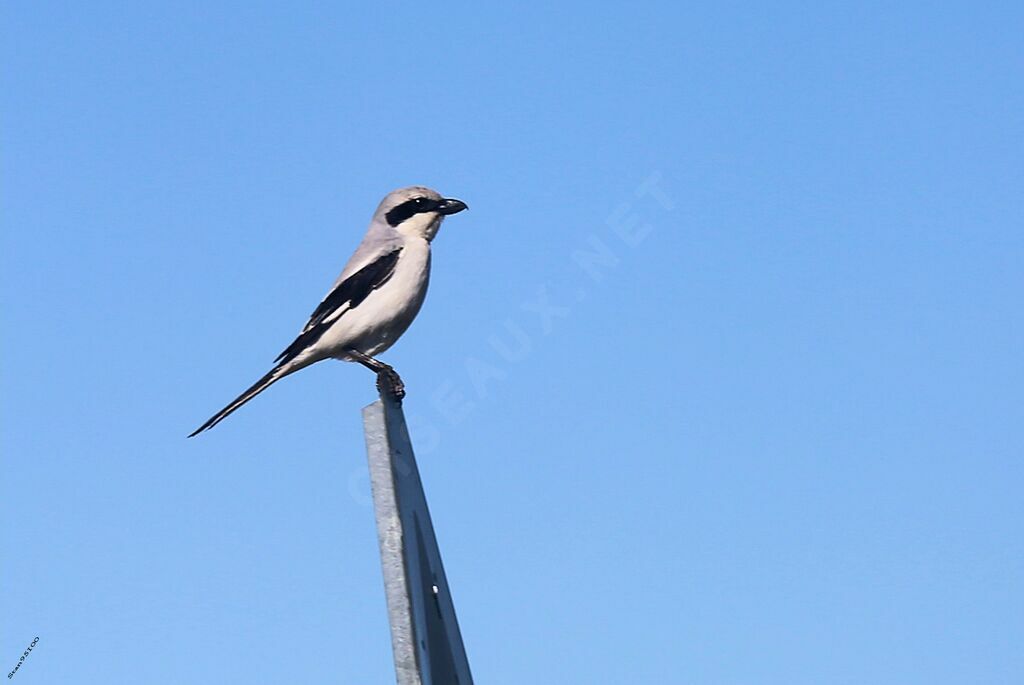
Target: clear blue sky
[{"x": 759, "y": 420}]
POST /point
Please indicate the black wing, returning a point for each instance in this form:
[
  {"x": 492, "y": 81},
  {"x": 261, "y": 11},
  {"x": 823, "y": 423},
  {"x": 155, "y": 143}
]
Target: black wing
[{"x": 351, "y": 292}]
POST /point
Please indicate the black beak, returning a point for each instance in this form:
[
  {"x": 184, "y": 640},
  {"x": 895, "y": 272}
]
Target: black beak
[{"x": 451, "y": 206}]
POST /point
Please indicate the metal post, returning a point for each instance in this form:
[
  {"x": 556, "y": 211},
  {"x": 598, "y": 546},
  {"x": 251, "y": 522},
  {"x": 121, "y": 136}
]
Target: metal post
[{"x": 425, "y": 634}]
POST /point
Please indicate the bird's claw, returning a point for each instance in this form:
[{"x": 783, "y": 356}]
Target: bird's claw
[{"x": 390, "y": 383}]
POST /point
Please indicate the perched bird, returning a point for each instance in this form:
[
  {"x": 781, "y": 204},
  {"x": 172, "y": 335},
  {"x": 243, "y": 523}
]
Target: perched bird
[{"x": 376, "y": 297}]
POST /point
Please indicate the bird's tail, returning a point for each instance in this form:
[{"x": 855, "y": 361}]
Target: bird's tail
[{"x": 276, "y": 374}]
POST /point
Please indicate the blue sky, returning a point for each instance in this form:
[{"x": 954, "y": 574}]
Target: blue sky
[{"x": 718, "y": 381}]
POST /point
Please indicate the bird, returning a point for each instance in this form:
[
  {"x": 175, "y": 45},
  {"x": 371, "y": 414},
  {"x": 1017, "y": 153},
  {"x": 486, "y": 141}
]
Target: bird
[{"x": 373, "y": 301}]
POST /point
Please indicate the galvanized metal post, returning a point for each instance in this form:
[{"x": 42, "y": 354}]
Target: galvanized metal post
[{"x": 425, "y": 633}]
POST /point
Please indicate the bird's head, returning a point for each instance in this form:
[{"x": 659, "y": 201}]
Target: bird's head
[{"x": 417, "y": 211}]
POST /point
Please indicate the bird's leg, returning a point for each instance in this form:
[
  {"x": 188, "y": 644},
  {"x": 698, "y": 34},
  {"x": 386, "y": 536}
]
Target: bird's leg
[{"x": 388, "y": 380}]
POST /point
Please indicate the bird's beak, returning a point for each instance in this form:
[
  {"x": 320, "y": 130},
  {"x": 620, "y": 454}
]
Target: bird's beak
[{"x": 451, "y": 206}]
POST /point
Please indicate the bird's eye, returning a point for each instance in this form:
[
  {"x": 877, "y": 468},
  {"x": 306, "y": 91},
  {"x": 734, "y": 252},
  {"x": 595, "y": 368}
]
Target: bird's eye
[{"x": 419, "y": 201}]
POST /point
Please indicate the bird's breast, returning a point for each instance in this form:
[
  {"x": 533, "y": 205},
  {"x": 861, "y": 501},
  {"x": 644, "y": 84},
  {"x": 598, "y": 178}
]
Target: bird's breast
[
  {"x": 378, "y": 321},
  {"x": 407, "y": 287}
]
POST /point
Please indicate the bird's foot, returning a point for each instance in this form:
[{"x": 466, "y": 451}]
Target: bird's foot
[{"x": 390, "y": 383}]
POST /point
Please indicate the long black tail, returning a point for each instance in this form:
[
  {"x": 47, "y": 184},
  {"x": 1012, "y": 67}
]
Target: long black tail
[{"x": 276, "y": 374}]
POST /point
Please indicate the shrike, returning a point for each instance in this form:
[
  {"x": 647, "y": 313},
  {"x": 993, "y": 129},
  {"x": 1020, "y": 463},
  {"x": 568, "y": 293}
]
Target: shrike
[{"x": 376, "y": 297}]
